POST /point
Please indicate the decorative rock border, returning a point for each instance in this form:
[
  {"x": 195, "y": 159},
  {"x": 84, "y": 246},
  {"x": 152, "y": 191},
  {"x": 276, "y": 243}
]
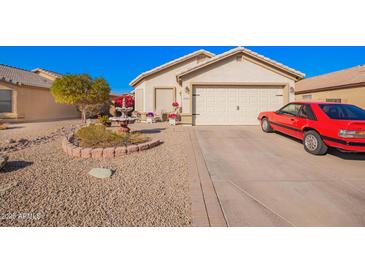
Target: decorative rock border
[{"x": 109, "y": 152}]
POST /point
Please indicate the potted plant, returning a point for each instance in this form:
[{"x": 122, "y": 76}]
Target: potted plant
[
  {"x": 172, "y": 116},
  {"x": 172, "y": 119},
  {"x": 175, "y": 105},
  {"x": 164, "y": 116},
  {"x": 149, "y": 117}
]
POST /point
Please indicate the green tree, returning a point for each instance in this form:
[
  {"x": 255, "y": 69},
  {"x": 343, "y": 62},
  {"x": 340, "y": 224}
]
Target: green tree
[{"x": 80, "y": 90}]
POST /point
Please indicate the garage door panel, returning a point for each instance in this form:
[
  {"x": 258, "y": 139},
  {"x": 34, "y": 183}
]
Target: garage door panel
[{"x": 233, "y": 105}]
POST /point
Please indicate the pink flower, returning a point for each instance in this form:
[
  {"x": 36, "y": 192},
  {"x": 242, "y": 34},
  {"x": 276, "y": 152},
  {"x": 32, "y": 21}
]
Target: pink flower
[
  {"x": 172, "y": 116},
  {"x": 175, "y": 104}
]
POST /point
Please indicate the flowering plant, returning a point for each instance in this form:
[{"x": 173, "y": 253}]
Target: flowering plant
[
  {"x": 172, "y": 116},
  {"x": 175, "y": 104},
  {"x": 128, "y": 100},
  {"x": 150, "y": 114}
]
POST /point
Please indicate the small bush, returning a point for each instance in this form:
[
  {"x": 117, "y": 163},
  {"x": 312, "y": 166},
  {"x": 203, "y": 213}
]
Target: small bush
[
  {"x": 98, "y": 136},
  {"x": 133, "y": 138},
  {"x": 104, "y": 120}
]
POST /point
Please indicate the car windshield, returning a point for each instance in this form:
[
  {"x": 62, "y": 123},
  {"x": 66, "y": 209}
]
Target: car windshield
[{"x": 343, "y": 112}]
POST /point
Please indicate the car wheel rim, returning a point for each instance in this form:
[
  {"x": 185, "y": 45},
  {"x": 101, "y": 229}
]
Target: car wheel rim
[
  {"x": 311, "y": 142},
  {"x": 265, "y": 124}
]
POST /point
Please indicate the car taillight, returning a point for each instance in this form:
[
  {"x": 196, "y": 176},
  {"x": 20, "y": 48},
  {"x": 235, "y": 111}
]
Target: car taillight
[{"x": 351, "y": 133}]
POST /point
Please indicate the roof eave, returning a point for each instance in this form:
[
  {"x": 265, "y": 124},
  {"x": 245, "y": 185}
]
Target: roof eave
[
  {"x": 296, "y": 75},
  {"x": 137, "y": 80},
  {"x": 20, "y": 84},
  {"x": 353, "y": 85},
  {"x": 50, "y": 73},
  {"x": 9, "y": 81}
]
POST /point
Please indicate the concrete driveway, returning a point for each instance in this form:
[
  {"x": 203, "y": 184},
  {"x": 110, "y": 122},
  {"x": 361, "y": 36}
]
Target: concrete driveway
[{"x": 265, "y": 179}]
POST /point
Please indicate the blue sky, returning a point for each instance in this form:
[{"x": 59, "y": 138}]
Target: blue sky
[{"x": 119, "y": 65}]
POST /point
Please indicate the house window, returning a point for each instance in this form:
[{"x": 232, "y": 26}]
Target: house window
[
  {"x": 307, "y": 97},
  {"x": 6, "y": 102},
  {"x": 333, "y": 100}
]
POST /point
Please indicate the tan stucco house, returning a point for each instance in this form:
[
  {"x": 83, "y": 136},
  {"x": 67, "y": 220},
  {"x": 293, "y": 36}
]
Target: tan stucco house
[
  {"x": 226, "y": 89},
  {"x": 25, "y": 96},
  {"x": 345, "y": 86}
]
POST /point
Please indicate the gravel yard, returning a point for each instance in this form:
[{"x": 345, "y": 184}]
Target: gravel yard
[
  {"x": 42, "y": 186},
  {"x": 32, "y": 130}
]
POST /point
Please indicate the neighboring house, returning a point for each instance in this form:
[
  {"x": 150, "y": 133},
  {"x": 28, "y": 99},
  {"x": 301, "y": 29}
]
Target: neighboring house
[
  {"x": 25, "y": 96},
  {"x": 113, "y": 96},
  {"x": 226, "y": 89},
  {"x": 345, "y": 86}
]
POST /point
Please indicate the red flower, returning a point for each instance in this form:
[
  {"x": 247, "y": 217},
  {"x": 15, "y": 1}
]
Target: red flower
[
  {"x": 172, "y": 116},
  {"x": 127, "y": 99},
  {"x": 175, "y": 104}
]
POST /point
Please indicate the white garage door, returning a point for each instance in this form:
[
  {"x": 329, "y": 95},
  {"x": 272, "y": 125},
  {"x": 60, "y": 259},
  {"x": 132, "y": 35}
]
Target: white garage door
[{"x": 234, "y": 105}]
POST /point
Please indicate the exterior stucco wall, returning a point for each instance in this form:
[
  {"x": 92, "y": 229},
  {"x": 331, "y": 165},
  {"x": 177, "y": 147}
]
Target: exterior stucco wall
[
  {"x": 37, "y": 104},
  {"x": 140, "y": 105},
  {"x": 233, "y": 70},
  {"x": 164, "y": 79},
  {"x": 355, "y": 96},
  {"x": 139, "y": 100}
]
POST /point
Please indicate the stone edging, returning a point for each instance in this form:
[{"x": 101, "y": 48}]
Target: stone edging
[{"x": 108, "y": 152}]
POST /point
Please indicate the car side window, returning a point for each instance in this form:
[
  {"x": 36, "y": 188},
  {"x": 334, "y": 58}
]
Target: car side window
[
  {"x": 306, "y": 112},
  {"x": 290, "y": 109}
]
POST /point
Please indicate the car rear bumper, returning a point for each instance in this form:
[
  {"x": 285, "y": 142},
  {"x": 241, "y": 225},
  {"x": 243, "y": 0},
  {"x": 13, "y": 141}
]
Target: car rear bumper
[{"x": 345, "y": 144}]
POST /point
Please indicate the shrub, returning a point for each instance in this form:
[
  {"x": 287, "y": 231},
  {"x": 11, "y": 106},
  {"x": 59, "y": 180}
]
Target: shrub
[
  {"x": 92, "y": 111},
  {"x": 98, "y": 136},
  {"x": 133, "y": 138},
  {"x": 104, "y": 120}
]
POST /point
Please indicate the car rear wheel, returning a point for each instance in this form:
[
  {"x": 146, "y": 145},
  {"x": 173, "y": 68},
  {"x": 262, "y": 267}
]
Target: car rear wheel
[
  {"x": 265, "y": 125},
  {"x": 313, "y": 143}
]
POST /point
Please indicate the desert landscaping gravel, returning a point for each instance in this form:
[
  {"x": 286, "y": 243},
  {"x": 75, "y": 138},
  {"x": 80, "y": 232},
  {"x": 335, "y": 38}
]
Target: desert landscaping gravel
[
  {"x": 33, "y": 130},
  {"x": 42, "y": 186}
]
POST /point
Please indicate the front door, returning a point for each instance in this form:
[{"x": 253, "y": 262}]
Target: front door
[{"x": 164, "y": 97}]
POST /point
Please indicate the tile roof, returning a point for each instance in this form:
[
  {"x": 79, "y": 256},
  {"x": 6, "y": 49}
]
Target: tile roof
[
  {"x": 19, "y": 76},
  {"x": 346, "y": 77},
  {"x": 251, "y": 53},
  {"x": 49, "y": 72},
  {"x": 169, "y": 64}
]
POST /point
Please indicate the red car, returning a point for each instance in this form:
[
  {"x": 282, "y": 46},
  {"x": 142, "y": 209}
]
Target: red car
[{"x": 320, "y": 125}]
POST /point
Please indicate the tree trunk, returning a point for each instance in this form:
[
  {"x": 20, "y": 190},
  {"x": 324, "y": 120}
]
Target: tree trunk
[{"x": 83, "y": 114}]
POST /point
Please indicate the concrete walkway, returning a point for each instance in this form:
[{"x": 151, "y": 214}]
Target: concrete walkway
[{"x": 269, "y": 180}]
